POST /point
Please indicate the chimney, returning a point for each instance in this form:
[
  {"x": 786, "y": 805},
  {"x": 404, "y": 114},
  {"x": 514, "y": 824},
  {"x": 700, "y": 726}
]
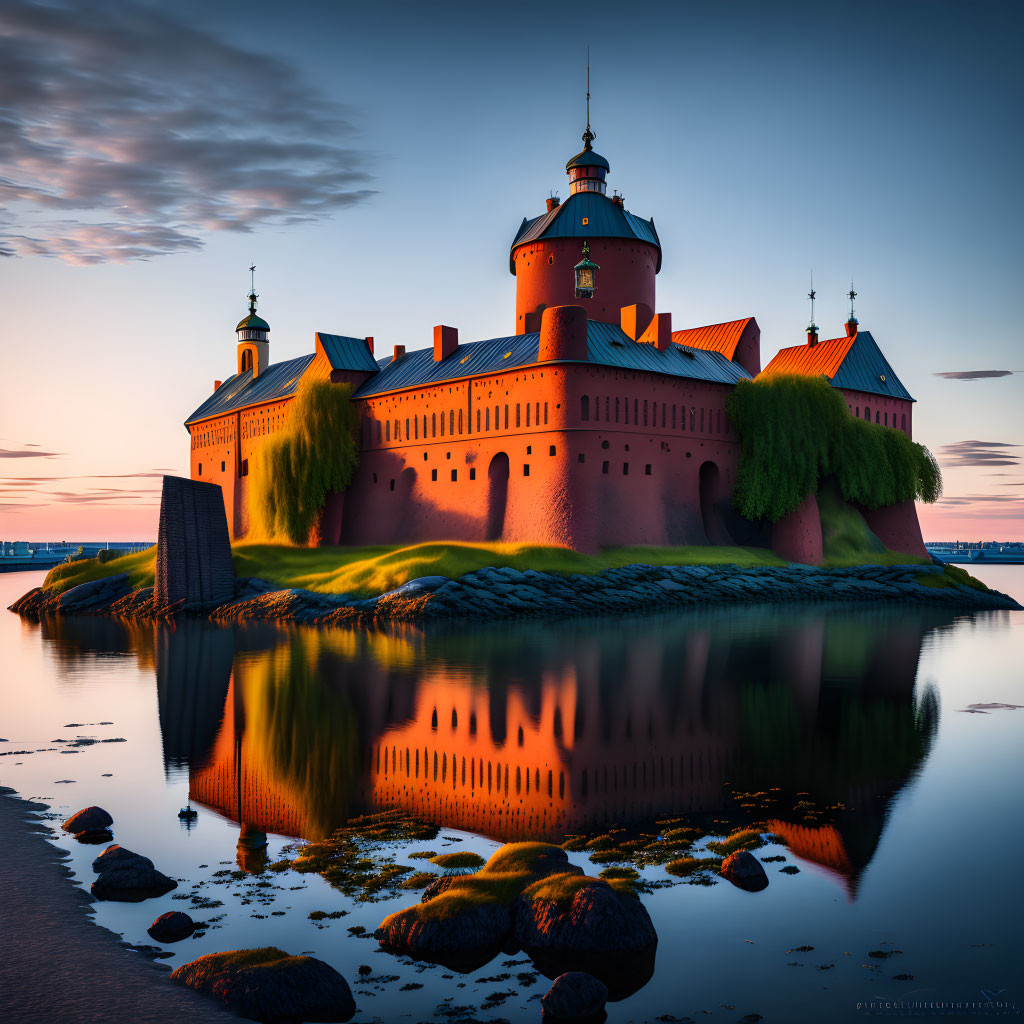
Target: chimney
[
  {"x": 217, "y": 384},
  {"x": 399, "y": 352},
  {"x": 618, "y": 201},
  {"x": 369, "y": 345},
  {"x": 446, "y": 341},
  {"x": 851, "y": 327},
  {"x": 553, "y": 201},
  {"x": 812, "y": 335},
  {"x": 563, "y": 334},
  {"x": 635, "y": 319},
  {"x": 659, "y": 332}
]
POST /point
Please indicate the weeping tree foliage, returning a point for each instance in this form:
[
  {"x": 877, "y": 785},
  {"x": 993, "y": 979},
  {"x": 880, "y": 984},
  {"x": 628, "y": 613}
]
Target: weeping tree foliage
[
  {"x": 795, "y": 431},
  {"x": 315, "y": 454}
]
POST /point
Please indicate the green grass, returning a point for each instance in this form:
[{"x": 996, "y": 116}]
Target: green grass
[
  {"x": 950, "y": 577},
  {"x": 375, "y": 570},
  {"x": 141, "y": 569}
]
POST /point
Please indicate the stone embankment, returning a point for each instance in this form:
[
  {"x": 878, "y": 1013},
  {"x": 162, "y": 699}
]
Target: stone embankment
[{"x": 489, "y": 595}]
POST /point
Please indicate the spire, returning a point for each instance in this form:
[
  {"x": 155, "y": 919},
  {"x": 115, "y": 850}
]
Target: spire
[
  {"x": 851, "y": 324},
  {"x": 812, "y": 327},
  {"x": 588, "y": 134},
  {"x": 252, "y": 289}
]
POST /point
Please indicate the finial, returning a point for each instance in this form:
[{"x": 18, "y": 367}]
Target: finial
[
  {"x": 252, "y": 289},
  {"x": 812, "y": 294},
  {"x": 588, "y": 135},
  {"x": 851, "y": 295}
]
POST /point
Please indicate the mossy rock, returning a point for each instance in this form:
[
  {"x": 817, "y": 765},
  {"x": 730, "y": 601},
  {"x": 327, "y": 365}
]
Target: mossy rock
[
  {"x": 269, "y": 985},
  {"x": 459, "y": 860},
  {"x": 684, "y": 867}
]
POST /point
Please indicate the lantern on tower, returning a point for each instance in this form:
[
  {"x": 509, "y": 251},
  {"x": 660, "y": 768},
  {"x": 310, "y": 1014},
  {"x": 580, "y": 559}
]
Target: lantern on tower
[{"x": 585, "y": 275}]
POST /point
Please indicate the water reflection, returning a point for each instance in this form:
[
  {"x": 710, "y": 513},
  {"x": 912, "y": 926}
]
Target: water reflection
[{"x": 535, "y": 732}]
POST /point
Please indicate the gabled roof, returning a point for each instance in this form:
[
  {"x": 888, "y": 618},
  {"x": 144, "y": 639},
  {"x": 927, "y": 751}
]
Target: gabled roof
[
  {"x": 279, "y": 380},
  {"x": 605, "y": 219},
  {"x": 344, "y": 353},
  {"x": 608, "y": 345},
  {"x": 714, "y": 338},
  {"x": 854, "y": 363}
]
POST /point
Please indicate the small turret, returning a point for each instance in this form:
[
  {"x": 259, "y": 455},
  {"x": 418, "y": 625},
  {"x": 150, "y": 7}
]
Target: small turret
[{"x": 253, "y": 334}]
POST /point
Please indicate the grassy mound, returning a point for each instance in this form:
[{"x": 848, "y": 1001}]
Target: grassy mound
[
  {"x": 140, "y": 566},
  {"x": 375, "y": 570}
]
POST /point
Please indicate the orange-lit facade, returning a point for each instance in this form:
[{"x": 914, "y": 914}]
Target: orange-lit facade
[{"x": 596, "y": 423}]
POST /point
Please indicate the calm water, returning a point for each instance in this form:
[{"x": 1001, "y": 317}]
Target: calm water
[{"x": 566, "y": 729}]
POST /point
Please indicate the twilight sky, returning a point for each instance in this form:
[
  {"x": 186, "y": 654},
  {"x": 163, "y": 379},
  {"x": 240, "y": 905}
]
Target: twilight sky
[{"x": 375, "y": 163}]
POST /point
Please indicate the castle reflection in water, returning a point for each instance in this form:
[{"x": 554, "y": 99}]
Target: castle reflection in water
[{"x": 538, "y": 731}]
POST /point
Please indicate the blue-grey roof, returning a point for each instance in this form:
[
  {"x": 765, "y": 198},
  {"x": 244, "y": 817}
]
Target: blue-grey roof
[
  {"x": 588, "y": 158},
  {"x": 279, "y": 380},
  {"x": 347, "y": 353},
  {"x": 608, "y": 345},
  {"x": 863, "y": 368},
  {"x": 605, "y": 219}
]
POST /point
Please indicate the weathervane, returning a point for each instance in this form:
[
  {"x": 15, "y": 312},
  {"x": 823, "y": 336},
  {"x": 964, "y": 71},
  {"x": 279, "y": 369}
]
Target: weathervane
[
  {"x": 252, "y": 289},
  {"x": 812, "y": 294},
  {"x": 851, "y": 295},
  {"x": 588, "y": 135}
]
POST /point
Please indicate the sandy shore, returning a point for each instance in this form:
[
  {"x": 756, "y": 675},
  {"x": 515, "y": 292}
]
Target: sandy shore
[{"x": 56, "y": 965}]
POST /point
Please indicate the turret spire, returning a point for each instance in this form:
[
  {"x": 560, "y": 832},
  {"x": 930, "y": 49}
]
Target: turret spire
[
  {"x": 812, "y": 295},
  {"x": 851, "y": 295},
  {"x": 252, "y": 289},
  {"x": 588, "y": 134}
]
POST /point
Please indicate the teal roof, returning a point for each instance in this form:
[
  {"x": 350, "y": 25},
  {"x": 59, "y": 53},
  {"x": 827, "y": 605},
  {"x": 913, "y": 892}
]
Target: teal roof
[
  {"x": 607, "y": 344},
  {"x": 279, "y": 380},
  {"x": 588, "y": 158},
  {"x": 345, "y": 353},
  {"x": 863, "y": 368},
  {"x": 253, "y": 323},
  {"x": 605, "y": 219}
]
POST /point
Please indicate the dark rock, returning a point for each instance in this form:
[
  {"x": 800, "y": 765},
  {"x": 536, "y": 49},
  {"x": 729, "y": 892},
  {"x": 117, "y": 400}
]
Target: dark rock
[
  {"x": 441, "y": 884},
  {"x": 465, "y": 937},
  {"x": 586, "y": 915},
  {"x": 88, "y": 818},
  {"x": 744, "y": 870},
  {"x": 171, "y": 927},
  {"x": 575, "y": 996},
  {"x": 115, "y": 856},
  {"x": 132, "y": 882},
  {"x": 94, "y": 836},
  {"x": 269, "y": 985}
]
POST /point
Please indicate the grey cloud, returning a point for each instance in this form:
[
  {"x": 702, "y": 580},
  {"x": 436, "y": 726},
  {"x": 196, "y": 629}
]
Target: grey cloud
[
  {"x": 127, "y": 134},
  {"x": 978, "y": 453},
  {"x": 24, "y": 453},
  {"x": 983, "y": 499},
  {"x": 974, "y": 374}
]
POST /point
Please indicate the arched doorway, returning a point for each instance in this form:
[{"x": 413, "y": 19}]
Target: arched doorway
[
  {"x": 710, "y": 486},
  {"x": 497, "y": 496}
]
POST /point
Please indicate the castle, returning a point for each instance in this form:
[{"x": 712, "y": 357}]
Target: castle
[{"x": 594, "y": 424}]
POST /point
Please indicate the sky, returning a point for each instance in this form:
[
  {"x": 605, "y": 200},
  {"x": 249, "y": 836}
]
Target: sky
[{"x": 375, "y": 162}]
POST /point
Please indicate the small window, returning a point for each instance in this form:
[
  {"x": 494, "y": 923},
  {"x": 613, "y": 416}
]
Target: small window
[
  {"x": 526, "y": 469},
  {"x": 551, "y": 450},
  {"x": 604, "y": 467},
  {"x": 245, "y": 463},
  {"x": 433, "y": 474},
  {"x": 581, "y": 457},
  {"x": 551, "y": 259},
  {"x": 374, "y": 477},
  {"x": 391, "y": 486},
  {"x": 625, "y": 469},
  {"x": 472, "y": 473},
  {"x": 200, "y": 469},
  {"x": 903, "y": 422},
  {"x": 223, "y": 465},
  {"x": 455, "y": 474},
  {"x": 529, "y": 449},
  {"x": 647, "y": 469}
]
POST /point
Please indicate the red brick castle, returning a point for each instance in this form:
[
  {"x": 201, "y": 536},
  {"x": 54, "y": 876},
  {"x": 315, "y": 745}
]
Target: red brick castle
[{"x": 594, "y": 424}]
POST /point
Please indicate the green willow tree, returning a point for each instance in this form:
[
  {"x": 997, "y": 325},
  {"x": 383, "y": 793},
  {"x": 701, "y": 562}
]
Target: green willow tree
[
  {"x": 795, "y": 431},
  {"x": 315, "y": 454}
]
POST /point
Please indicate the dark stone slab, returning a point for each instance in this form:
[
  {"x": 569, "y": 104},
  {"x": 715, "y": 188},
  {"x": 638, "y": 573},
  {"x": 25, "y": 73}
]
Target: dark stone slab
[{"x": 193, "y": 556}]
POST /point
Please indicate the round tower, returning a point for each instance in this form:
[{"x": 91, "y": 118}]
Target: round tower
[
  {"x": 253, "y": 333},
  {"x": 624, "y": 251}
]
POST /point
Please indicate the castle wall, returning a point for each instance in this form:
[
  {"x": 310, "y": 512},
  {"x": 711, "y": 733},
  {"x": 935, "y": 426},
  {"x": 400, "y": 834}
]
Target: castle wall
[
  {"x": 545, "y": 277},
  {"x": 569, "y": 453},
  {"x": 888, "y": 412}
]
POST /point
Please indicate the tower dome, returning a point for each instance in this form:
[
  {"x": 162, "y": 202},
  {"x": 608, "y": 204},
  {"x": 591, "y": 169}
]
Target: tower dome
[
  {"x": 253, "y": 333},
  {"x": 587, "y": 169}
]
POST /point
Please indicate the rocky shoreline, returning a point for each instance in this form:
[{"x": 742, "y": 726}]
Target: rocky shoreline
[{"x": 502, "y": 594}]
